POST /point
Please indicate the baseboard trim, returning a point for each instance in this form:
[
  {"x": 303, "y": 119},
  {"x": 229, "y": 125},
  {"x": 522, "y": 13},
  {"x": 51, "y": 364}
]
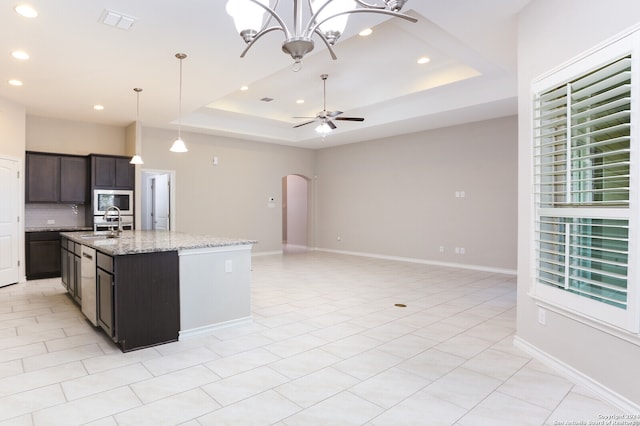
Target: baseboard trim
[
  {"x": 203, "y": 331},
  {"x": 623, "y": 404},
  {"x": 265, "y": 253},
  {"x": 423, "y": 261}
]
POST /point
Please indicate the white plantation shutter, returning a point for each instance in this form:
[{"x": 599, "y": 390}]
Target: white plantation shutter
[{"x": 585, "y": 181}]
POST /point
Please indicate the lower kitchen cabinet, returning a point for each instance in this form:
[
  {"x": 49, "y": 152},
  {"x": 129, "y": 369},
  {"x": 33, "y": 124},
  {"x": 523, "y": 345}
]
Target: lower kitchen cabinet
[
  {"x": 138, "y": 298},
  {"x": 104, "y": 300},
  {"x": 42, "y": 254},
  {"x": 70, "y": 268}
]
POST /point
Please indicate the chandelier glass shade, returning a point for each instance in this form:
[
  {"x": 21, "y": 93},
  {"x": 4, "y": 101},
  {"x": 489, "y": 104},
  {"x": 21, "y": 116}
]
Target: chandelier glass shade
[{"x": 327, "y": 19}]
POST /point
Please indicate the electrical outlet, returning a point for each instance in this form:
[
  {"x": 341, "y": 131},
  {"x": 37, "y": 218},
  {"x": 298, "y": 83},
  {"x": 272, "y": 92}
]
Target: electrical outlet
[
  {"x": 462, "y": 251},
  {"x": 441, "y": 249},
  {"x": 228, "y": 266},
  {"x": 339, "y": 238},
  {"x": 51, "y": 221}
]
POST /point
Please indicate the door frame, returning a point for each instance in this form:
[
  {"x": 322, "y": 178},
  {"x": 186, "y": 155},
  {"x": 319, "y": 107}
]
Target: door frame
[
  {"x": 145, "y": 196},
  {"x": 19, "y": 210}
]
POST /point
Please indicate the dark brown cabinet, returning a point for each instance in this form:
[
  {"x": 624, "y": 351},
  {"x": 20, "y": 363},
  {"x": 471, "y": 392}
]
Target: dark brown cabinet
[
  {"x": 110, "y": 172},
  {"x": 73, "y": 180},
  {"x": 70, "y": 261},
  {"x": 104, "y": 293},
  {"x": 43, "y": 178},
  {"x": 138, "y": 298},
  {"x": 54, "y": 178},
  {"x": 42, "y": 254}
]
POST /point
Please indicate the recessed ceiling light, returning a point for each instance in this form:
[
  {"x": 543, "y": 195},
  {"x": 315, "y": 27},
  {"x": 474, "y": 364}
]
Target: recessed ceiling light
[
  {"x": 16, "y": 83},
  {"x": 26, "y": 11},
  {"x": 244, "y": 88},
  {"x": 423, "y": 60},
  {"x": 300, "y": 101},
  {"x": 20, "y": 54},
  {"x": 365, "y": 32},
  {"x": 98, "y": 107}
]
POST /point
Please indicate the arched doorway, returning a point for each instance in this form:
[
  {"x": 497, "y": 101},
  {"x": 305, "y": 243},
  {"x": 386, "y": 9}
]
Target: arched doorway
[{"x": 295, "y": 213}]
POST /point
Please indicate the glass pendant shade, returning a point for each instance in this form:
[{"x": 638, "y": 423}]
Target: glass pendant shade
[
  {"x": 323, "y": 128},
  {"x": 136, "y": 159},
  {"x": 178, "y": 146},
  {"x": 337, "y": 24},
  {"x": 246, "y": 14}
]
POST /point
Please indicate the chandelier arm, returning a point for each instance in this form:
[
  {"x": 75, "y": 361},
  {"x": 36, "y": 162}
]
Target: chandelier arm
[
  {"x": 275, "y": 16},
  {"x": 257, "y": 36},
  {"x": 370, "y": 6},
  {"x": 326, "y": 42},
  {"x": 314, "y": 28}
]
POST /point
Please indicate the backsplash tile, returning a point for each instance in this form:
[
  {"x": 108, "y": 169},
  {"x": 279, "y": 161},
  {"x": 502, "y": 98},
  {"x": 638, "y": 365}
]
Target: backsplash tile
[{"x": 40, "y": 215}]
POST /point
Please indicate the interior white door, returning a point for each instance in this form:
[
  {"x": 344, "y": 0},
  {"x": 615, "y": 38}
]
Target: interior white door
[
  {"x": 161, "y": 198},
  {"x": 9, "y": 225}
]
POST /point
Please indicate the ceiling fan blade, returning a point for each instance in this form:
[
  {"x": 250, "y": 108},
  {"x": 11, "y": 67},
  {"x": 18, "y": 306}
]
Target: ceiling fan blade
[
  {"x": 330, "y": 124},
  {"x": 304, "y": 124},
  {"x": 303, "y": 117},
  {"x": 333, "y": 113},
  {"x": 349, "y": 118}
]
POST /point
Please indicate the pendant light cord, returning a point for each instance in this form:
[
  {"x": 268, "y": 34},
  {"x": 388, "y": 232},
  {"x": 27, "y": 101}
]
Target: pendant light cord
[{"x": 180, "y": 56}]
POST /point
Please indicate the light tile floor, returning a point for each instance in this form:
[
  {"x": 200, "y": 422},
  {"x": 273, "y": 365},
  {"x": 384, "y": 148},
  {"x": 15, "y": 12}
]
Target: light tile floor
[{"x": 327, "y": 346}]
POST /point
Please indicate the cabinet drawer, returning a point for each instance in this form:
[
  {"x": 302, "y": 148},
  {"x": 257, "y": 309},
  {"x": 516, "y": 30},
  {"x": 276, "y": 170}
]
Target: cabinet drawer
[{"x": 104, "y": 262}]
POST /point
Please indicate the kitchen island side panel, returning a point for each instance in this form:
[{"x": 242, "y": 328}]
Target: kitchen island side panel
[
  {"x": 215, "y": 288},
  {"x": 146, "y": 295}
]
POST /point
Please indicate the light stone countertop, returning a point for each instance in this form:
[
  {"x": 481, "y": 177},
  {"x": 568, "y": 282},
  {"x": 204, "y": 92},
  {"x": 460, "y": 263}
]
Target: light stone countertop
[
  {"x": 133, "y": 242},
  {"x": 55, "y": 228}
]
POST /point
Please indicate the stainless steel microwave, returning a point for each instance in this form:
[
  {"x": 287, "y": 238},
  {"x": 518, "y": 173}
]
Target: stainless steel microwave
[{"x": 105, "y": 198}]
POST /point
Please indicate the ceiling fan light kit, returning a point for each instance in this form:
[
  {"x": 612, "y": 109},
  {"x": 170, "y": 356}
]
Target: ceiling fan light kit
[
  {"x": 324, "y": 117},
  {"x": 327, "y": 19}
]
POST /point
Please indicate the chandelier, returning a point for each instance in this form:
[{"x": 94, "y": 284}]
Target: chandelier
[{"x": 328, "y": 19}]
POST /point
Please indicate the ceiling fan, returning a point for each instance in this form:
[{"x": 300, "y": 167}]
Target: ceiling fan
[{"x": 324, "y": 117}]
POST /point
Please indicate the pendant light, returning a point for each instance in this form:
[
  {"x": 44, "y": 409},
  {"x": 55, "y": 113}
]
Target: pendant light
[
  {"x": 137, "y": 159},
  {"x": 178, "y": 145}
]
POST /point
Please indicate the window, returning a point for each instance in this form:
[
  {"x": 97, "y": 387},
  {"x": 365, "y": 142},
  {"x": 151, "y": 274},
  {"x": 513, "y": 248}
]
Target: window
[{"x": 586, "y": 174}]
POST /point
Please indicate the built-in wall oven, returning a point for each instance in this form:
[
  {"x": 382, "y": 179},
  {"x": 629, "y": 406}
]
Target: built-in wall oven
[
  {"x": 111, "y": 222},
  {"x": 104, "y": 220}
]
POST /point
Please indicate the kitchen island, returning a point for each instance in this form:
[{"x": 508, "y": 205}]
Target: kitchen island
[{"x": 154, "y": 287}]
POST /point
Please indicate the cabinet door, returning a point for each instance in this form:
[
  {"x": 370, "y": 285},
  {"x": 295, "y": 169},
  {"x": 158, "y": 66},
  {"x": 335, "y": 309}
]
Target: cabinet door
[
  {"x": 104, "y": 172},
  {"x": 77, "y": 282},
  {"x": 42, "y": 255},
  {"x": 64, "y": 267},
  {"x": 73, "y": 180},
  {"x": 43, "y": 184},
  {"x": 105, "y": 301},
  {"x": 125, "y": 174}
]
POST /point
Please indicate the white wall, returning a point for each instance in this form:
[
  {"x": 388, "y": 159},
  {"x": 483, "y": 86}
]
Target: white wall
[
  {"x": 550, "y": 33},
  {"x": 232, "y": 198},
  {"x": 397, "y": 196}
]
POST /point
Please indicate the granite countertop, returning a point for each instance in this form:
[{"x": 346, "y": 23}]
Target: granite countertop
[
  {"x": 57, "y": 228},
  {"x": 132, "y": 242}
]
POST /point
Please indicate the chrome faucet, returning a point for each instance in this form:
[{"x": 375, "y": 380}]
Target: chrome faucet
[{"x": 106, "y": 214}]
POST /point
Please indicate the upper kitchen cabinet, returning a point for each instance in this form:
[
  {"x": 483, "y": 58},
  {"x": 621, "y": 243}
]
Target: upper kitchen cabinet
[
  {"x": 55, "y": 178},
  {"x": 112, "y": 172}
]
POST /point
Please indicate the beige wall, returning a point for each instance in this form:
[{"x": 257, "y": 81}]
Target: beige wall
[
  {"x": 12, "y": 129},
  {"x": 230, "y": 199},
  {"x": 550, "y": 33},
  {"x": 397, "y": 196},
  {"x": 73, "y": 137}
]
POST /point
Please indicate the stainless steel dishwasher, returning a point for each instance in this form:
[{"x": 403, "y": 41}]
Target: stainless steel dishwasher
[{"x": 88, "y": 284}]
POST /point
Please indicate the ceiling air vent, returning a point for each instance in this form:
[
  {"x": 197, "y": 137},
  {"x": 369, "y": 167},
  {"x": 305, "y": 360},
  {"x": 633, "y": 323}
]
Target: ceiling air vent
[{"x": 116, "y": 19}]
